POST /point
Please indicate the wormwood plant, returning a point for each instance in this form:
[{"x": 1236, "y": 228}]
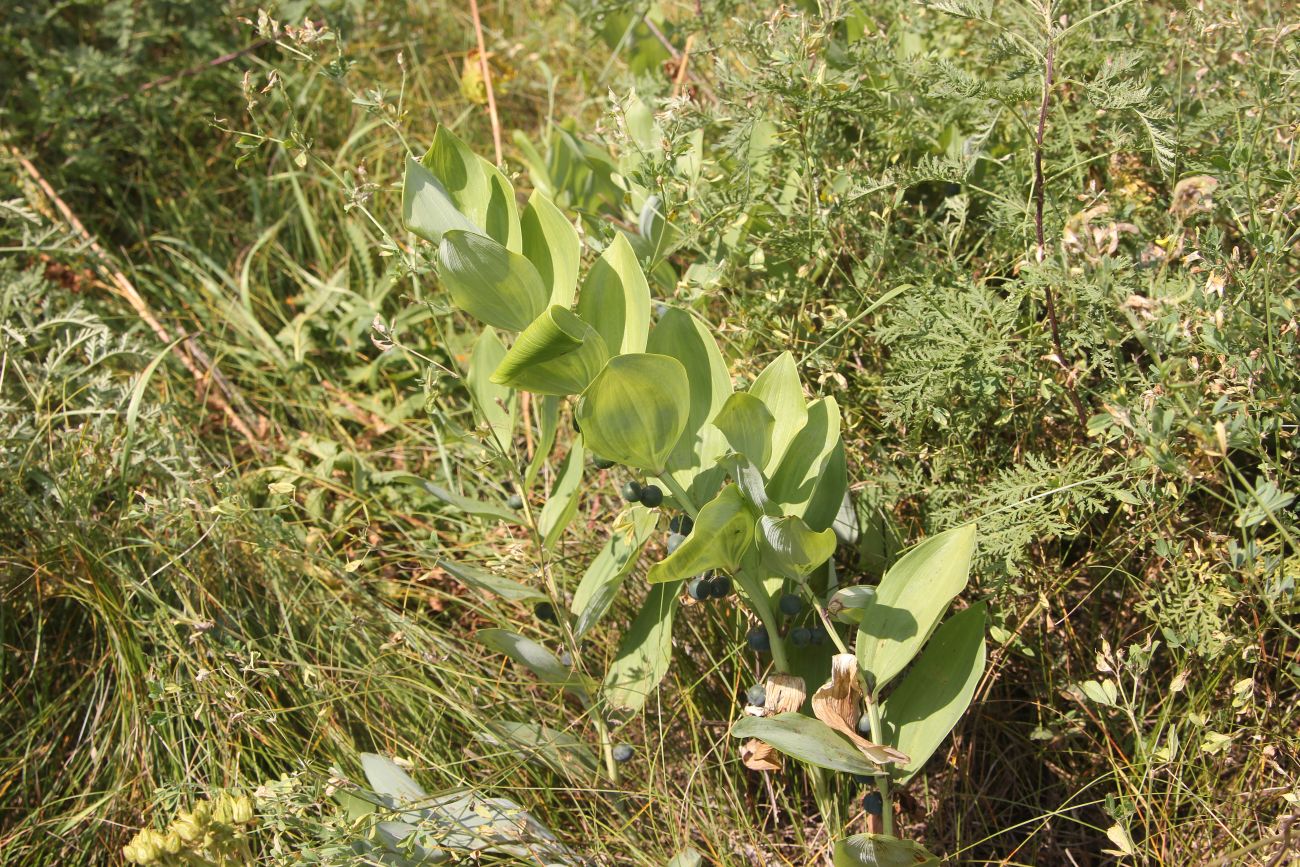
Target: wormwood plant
[{"x": 750, "y": 483}]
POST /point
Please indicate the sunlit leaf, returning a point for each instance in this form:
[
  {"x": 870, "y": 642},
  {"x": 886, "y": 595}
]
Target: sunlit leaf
[
  {"x": 427, "y": 207},
  {"x": 910, "y": 600},
  {"x": 494, "y": 402},
  {"x": 879, "y": 850},
  {"x": 920, "y": 712},
  {"x": 562, "y": 504},
  {"x": 806, "y": 739},
  {"x": 488, "y": 582},
  {"x": 724, "y": 530},
  {"x": 460, "y": 172},
  {"x": 558, "y": 354},
  {"x": 532, "y": 656},
  {"x": 604, "y": 576},
  {"x": 501, "y": 215},
  {"x": 797, "y": 474},
  {"x": 747, "y": 424},
  {"x": 790, "y": 549},
  {"x": 615, "y": 299},
  {"x": 634, "y": 411},
  {"x": 779, "y": 388},
  {"x": 551, "y": 243},
  {"x": 489, "y": 282}
]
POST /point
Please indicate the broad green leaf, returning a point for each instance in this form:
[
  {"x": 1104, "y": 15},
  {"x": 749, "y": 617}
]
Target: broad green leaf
[
  {"x": 680, "y": 335},
  {"x": 779, "y": 389},
  {"x": 910, "y": 600},
  {"x": 532, "y": 656},
  {"x": 796, "y": 476},
  {"x": 724, "y": 530},
  {"x": 562, "y": 504},
  {"x": 827, "y": 505},
  {"x": 746, "y": 423},
  {"x": 461, "y": 173},
  {"x": 501, "y": 216},
  {"x": 790, "y": 549},
  {"x": 921, "y": 711},
  {"x": 604, "y": 576},
  {"x": 551, "y": 244},
  {"x": 559, "y": 750},
  {"x": 495, "y": 403},
  {"x": 806, "y": 739},
  {"x": 646, "y": 650},
  {"x": 635, "y": 409},
  {"x": 465, "y": 504},
  {"x": 879, "y": 850},
  {"x": 386, "y": 778},
  {"x": 558, "y": 354},
  {"x": 489, "y": 282},
  {"x": 488, "y": 582},
  {"x": 427, "y": 207},
  {"x": 615, "y": 299}
]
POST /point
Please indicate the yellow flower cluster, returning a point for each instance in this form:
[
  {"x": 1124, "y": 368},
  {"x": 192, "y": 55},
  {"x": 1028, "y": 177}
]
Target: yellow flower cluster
[{"x": 213, "y": 829}]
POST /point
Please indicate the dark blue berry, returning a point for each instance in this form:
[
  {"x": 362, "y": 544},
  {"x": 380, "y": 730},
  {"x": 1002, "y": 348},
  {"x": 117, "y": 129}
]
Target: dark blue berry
[
  {"x": 720, "y": 587},
  {"x": 790, "y": 605},
  {"x": 545, "y": 611},
  {"x": 819, "y": 636},
  {"x": 801, "y": 636},
  {"x": 756, "y": 695},
  {"x": 632, "y": 492},
  {"x": 623, "y": 753},
  {"x": 675, "y": 541},
  {"x": 874, "y": 804},
  {"x": 515, "y": 502},
  {"x": 681, "y": 524},
  {"x": 699, "y": 589},
  {"x": 651, "y": 496},
  {"x": 758, "y": 640},
  {"x": 601, "y": 463},
  {"x": 861, "y": 779}
]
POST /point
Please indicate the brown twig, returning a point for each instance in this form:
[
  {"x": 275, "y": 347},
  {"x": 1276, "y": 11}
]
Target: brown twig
[
  {"x": 1049, "y": 297},
  {"x": 191, "y": 355},
  {"x": 486, "y": 69},
  {"x": 683, "y": 65},
  {"x": 677, "y": 56}
]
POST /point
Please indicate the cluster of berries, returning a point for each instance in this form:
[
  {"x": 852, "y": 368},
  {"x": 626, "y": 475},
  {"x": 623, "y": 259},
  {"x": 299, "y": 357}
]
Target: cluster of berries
[
  {"x": 708, "y": 586},
  {"x": 649, "y": 495},
  {"x": 800, "y": 636}
]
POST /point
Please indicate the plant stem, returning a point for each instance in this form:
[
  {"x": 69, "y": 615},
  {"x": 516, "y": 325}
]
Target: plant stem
[
  {"x": 882, "y": 780},
  {"x": 1049, "y": 297},
  {"x": 679, "y": 493}
]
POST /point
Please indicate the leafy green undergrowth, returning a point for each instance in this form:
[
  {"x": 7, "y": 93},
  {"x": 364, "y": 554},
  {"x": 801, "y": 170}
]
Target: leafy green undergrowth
[{"x": 182, "y": 615}]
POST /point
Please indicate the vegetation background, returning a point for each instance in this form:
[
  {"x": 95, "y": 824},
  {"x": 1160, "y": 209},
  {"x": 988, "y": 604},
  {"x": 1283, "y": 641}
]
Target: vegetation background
[{"x": 186, "y": 606}]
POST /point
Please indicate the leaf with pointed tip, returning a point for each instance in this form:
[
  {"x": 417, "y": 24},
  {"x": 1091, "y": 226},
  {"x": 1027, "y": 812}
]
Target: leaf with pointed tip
[
  {"x": 605, "y": 575},
  {"x": 562, "y": 504},
  {"x": 724, "y": 530},
  {"x": 489, "y": 582},
  {"x": 489, "y": 282},
  {"x": 501, "y": 214},
  {"x": 551, "y": 244},
  {"x": 495, "y": 403},
  {"x": 559, "y": 750},
  {"x": 635, "y": 409},
  {"x": 460, "y": 172},
  {"x": 387, "y": 778},
  {"x": 828, "y": 507},
  {"x": 558, "y": 354},
  {"x": 747, "y": 424},
  {"x": 881, "y": 850},
  {"x": 646, "y": 650},
  {"x": 615, "y": 299},
  {"x": 427, "y": 207},
  {"x": 465, "y": 504},
  {"x": 910, "y": 601},
  {"x": 790, "y": 549},
  {"x": 921, "y": 711},
  {"x": 796, "y": 476},
  {"x": 806, "y": 739},
  {"x": 680, "y": 335},
  {"x": 779, "y": 389},
  {"x": 532, "y": 656}
]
